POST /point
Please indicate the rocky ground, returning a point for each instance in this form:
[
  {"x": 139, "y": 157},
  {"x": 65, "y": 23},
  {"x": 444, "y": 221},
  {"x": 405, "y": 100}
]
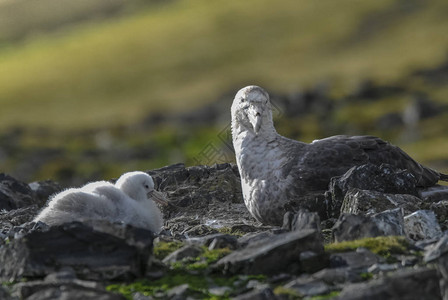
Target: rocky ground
[{"x": 374, "y": 237}]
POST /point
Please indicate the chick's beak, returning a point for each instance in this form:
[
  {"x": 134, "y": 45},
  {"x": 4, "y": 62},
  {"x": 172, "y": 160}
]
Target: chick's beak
[{"x": 159, "y": 197}]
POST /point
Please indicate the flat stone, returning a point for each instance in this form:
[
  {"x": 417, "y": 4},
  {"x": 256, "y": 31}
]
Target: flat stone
[
  {"x": 92, "y": 253},
  {"x": 422, "y": 283},
  {"x": 279, "y": 254},
  {"x": 422, "y": 225}
]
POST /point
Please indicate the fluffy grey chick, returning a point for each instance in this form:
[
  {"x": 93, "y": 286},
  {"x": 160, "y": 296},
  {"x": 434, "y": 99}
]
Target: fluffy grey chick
[{"x": 129, "y": 200}]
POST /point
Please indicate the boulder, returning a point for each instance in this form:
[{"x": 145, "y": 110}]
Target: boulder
[
  {"x": 367, "y": 202},
  {"x": 360, "y": 259},
  {"x": 281, "y": 253},
  {"x": 352, "y": 227},
  {"x": 422, "y": 283},
  {"x": 102, "y": 252},
  {"x": 301, "y": 220},
  {"x": 422, "y": 225},
  {"x": 384, "y": 178},
  {"x": 43, "y": 190},
  {"x": 14, "y": 194}
]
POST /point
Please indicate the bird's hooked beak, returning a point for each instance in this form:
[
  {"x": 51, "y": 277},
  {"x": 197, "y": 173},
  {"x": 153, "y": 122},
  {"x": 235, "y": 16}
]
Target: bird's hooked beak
[
  {"x": 255, "y": 117},
  {"x": 159, "y": 197}
]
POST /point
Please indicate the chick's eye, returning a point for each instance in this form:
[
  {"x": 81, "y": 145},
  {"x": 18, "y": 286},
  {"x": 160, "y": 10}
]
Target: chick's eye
[{"x": 146, "y": 186}]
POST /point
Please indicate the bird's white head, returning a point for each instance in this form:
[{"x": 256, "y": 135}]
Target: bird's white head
[
  {"x": 140, "y": 186},
  {"x": 137, "y": 185},
  {"x": 252, "y": 111}
]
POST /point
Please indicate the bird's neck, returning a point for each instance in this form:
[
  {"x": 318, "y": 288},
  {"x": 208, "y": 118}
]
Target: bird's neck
[{"x": 245, "y": 138}]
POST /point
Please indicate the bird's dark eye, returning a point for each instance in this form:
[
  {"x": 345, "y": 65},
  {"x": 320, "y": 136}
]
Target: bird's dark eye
[{"x": 146, "y": 186}]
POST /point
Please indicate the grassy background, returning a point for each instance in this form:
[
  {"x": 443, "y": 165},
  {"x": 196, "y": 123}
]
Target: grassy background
[{"x": 69, "y": 70}]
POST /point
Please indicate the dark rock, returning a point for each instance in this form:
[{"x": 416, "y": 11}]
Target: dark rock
[
  {"x": 422, "y": 225},
  {"x": 422, "y": 283},
  {"x": 264, "y": 294},
  {"x": 352, "y": 227},
  {"x": 366, "y": 202},
  {"x": 280, "y": 254},
  {"x": 193, "y": 190},
  {"x": 359, "y": 259},
  {"x": 187, "y": 251},
  {"x": 301, "y": 220},
  {"x": 198, "y": 185},
  {"x": 44, "y": 189},
  {"x": 14, "y": 194},
  {"x": 91, "y": 252},
  {"x": 383, "y": 178}
]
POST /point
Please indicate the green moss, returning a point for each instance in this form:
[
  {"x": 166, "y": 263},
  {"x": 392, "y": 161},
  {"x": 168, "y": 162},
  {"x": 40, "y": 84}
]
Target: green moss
[
  {"x": 162, "y": 249},
  {"x": 229, "y": 230},
  {"x": 326, "y": 296},
  {"x": 287, "y": 293},
  {"x": 201, "y": 262},
  {"x": 199, "y": 285},
  {"x": 384, "y": 246},
  {"x": 366, "y": 276}
]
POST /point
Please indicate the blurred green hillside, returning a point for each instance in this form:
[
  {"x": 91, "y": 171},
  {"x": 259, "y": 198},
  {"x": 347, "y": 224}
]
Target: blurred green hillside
[{"x": 78, "y": 78}]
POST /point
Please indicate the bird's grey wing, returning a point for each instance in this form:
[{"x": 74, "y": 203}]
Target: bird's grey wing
[{"x": 323, "y": 159}]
